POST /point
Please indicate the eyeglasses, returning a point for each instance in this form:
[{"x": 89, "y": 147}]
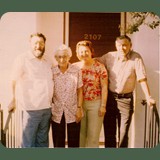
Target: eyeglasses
[{"x": 63, "y": 57}]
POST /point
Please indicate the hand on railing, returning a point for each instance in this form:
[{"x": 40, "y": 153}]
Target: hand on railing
[
  {"x": 12, "y": 106},
  {"x": 150, "y": 101},
  {"x": 151, "y": 123}
]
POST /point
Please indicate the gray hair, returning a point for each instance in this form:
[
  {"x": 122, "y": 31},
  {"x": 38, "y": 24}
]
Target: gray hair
[
  {"x": 63, "y": 48},
  {"x": 123, "y": 37}
]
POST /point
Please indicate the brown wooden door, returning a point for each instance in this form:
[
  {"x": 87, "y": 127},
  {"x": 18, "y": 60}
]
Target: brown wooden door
[{"x": 100, "y": 28}]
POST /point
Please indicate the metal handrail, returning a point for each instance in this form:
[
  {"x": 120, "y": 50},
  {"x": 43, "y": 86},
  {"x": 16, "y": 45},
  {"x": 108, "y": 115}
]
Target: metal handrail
[
  {"x": 11, "y": 131},
  {"x": 9, "y": 135},
  {"x": 1, "y": 124},
  {"x": 7, "y": 122},
  {"x": 151, "y": 125},
  {"x": 6, "y": 129}
]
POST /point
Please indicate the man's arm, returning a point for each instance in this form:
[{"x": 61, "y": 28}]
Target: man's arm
[
  {"x": 146, "y": 91},
  {"x": 12, "y": 105},
  {"x": 101, "y": 59}
]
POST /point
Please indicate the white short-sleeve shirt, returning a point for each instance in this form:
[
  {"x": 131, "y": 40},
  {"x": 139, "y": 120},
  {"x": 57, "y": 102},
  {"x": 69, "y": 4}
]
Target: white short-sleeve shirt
[
  {"x": 34, "y": 80},
  {"x": 123, "y": 74}
]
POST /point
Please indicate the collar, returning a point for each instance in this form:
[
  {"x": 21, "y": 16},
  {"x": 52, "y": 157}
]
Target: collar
[
  {"x": 57, "y": 70},
  {"x": 127, "y": 57}
]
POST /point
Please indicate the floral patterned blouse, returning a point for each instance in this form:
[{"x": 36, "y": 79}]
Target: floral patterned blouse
[
  {"x": 65, "y": 93},
  {"x": 91, "y": 81}
]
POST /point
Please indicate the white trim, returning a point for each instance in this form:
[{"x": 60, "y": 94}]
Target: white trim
[
  {"x": 122, "y": 19},
  {"x": 66, "y": 25},
  {"x": 159, "y": 72}
]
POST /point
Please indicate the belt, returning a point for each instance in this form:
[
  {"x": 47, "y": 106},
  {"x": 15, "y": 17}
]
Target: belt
[{"x": 122, "y": 95}]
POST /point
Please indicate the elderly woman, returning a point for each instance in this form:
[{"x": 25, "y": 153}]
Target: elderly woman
[
  {"x": 67, "y": 100},
  {"x": 95, "y": 82}
]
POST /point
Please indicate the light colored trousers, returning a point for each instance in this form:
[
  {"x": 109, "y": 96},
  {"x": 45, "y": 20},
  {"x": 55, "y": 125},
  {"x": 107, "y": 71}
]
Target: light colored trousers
[{"x": 91, "y": 124}]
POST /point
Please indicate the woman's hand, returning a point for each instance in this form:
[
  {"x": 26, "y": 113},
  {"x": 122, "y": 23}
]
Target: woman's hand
[
  {"x": 102, "y": 111},
  {"x": 79, "y": 114}
]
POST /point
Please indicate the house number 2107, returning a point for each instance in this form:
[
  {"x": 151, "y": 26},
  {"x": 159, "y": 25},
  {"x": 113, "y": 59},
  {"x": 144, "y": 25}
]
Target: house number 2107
[{"x": 92, "y": 36}]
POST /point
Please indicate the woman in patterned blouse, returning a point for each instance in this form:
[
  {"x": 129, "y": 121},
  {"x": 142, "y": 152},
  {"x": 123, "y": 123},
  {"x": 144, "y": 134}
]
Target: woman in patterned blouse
[
  {"x": 95, "y": 90},
  {"x": 67, "y": 100}
]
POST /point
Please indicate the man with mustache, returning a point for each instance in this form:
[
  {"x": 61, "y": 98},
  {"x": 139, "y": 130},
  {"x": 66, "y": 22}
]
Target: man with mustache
[{"x": 32, "y": 90}]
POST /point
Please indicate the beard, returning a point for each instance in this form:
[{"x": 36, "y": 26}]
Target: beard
[{"x": 38, "y": 53}]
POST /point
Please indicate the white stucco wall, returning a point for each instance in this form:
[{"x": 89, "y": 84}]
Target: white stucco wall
[
  {"x": 146, "y": 42},
  {"x": 51, "y": 24},
  {"x": 15, "y": 29}
]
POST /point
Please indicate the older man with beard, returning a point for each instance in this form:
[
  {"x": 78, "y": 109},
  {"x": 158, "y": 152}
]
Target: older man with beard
[{"x": 32, "y": 76}]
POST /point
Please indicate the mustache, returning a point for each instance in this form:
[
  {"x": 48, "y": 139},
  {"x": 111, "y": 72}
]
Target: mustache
[{"x": 40, "y": 49}]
